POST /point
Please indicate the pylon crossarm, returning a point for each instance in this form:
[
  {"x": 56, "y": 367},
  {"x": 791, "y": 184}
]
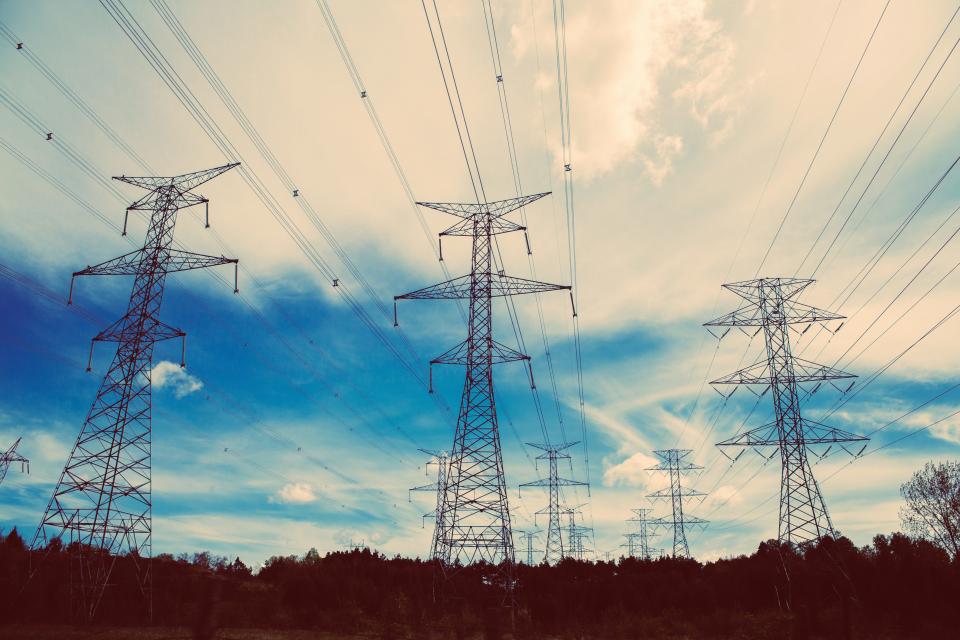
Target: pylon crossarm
[
  {"x": 746, "y": 316},
  {"x": 748, "y": 289},
  {"x": 798, "y": 313},
  {"x": 762, "y": 435},
  {"x": 669, "y": 493},
  {"x": 187, "y": 260},
  {"x": 184, "y": 182},
  {"x": 500, "y": 353},
  {"x": 156, "y": 332},
  {"x": 552, "y": 447},
  {"x": 125, "y": 265},
  {"x": 816, "y": 433},
  {"x": 752, "y": 315},
  {"x": 494, "y": 209},
  {"x": 498, "y": 226},
  {"x": 803, "y": 371},
  {"x": 461, "y": 288}
]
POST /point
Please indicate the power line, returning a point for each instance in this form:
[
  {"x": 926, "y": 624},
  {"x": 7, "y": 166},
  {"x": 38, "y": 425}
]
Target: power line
[{"x": 823, "y": 138}]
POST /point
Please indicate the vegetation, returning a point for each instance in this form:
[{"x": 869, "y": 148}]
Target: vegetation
[
  {"x": 898, "y": 587},
  {"x": 932, "y": 505}
]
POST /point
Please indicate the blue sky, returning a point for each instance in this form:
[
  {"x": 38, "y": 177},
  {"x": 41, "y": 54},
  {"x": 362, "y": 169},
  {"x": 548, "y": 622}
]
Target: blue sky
[{"x": 292, "y": 425}]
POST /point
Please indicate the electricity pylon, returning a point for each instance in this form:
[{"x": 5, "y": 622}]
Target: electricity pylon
[
  {"x": 11, "y": 456},
  {"x": 638, "y": 542},
  {"x": 673, "y": 464},
  {"x": 529, "y": 550},
  {"x": 442, "y": 460},
  {"x": 102, "y": 504},
  {"x": 772, "y": 308},
  {"x": 575, "y": 535},
  {"x": 476, "y": 514},
  {"x": 553, "y": 482}
]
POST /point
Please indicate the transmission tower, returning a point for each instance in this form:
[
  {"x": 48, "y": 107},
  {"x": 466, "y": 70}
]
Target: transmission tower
[
  {"x": 101, "y": 506},
  {"x": 475, "y": 510},
  {"x": 772, "y": 307},
  {"x": 11, "y": 456},
  {"x": 638, "y": 542},
  {"x": 673, "y": 464},
  {"x": 575, "y": 536},
  {"x": 529, "y": 550},
  {"x": 553, "y": 510},
  {"x": 442, "y": 460}
]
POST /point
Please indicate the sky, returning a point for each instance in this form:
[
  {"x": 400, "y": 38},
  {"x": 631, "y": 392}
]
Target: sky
[{"x": 707, "y": 147}]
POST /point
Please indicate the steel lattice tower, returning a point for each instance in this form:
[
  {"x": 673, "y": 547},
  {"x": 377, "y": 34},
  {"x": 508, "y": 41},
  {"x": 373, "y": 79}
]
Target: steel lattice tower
[
  {"x": 575, "y": 536},
  {"x": 553, "y": 482},
  {"x": 638, "y": 542},
  {"x": 11, "y": 456},
  {"x": 528, "y": 538},
  {"x": 772, "y": 308},
  {"x": 101, "y": 506},
  {"x": 442, "y": 460},
  {"x": 673, "y": 464},
  {"x": 475, "y": 510}
]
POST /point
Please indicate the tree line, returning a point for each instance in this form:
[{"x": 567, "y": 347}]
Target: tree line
[
  {"x": 897, "y": 587},
  {"x": 902, "y": 585}
]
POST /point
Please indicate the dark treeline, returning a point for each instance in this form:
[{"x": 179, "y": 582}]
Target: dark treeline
[{"x": 898, "y": 587}]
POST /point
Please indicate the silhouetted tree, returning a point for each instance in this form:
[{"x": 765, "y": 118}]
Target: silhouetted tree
[{"x": 932, "y": 509}]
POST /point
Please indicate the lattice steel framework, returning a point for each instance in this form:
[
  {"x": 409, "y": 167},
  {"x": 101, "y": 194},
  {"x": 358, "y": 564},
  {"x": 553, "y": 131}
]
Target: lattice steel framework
[
  {"x": 475, "y": 510},
  {"x": 442, "y": 461},
  {"x": 638, "y": 542},
  {"x": 576, "y": 548},
  {"x": 673, "y": 464},
  {"x": 553, "y": 510},
  {"x": 101, "y": 506},
  {"x": 772, "y": 307},
  {"x": 9, "y": 457},
  {"x": 528, "y": 548}
]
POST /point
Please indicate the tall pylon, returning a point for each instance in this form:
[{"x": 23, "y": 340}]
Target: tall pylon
[
  {"x": 442, "y": 461},
  {"x": 102, "y": 504},
  {"x": 9, "y": 457},
  {"x": 772, "y": 307},
  {"x": 475, "y": 510},
  {"x": 528, "y": 539},
  {"x": 673, "y": 464},
  {"x": 638, "y": 542},
  {"x": 553, "y": 510}
]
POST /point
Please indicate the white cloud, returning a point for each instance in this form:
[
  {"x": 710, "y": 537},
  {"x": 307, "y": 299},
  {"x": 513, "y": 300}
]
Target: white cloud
[
  {"x": 294, "y": 493},
  {"x": 169, "y": 374},
  {"x": 725, "y": 496},
  {"x": 631, "y": 472},
  {"x": 631, "y": 72}
]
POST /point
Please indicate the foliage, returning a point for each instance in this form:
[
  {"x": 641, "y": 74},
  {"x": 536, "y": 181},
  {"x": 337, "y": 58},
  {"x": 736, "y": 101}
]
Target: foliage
[
  {"x": 897, "y": 587},
  {"x": 932, "y": 509}
]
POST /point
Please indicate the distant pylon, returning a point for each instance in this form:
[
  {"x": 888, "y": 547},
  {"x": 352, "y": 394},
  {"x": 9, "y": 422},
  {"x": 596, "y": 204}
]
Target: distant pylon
[
  {"x": 11, "y": 456},
  {"x": 638, "y": 542},
  {"x": 771, "y": 307},
  {"x": 102, "y": 503},
  {"x": 575, "y": 536},
  {"x": 528, "y": 548},
  {"x": 673, "y": 464},
  {"x": 442, "y": 460},
  {"x": 475, "y": 509},
  {"x": 553, "y": 510}
]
